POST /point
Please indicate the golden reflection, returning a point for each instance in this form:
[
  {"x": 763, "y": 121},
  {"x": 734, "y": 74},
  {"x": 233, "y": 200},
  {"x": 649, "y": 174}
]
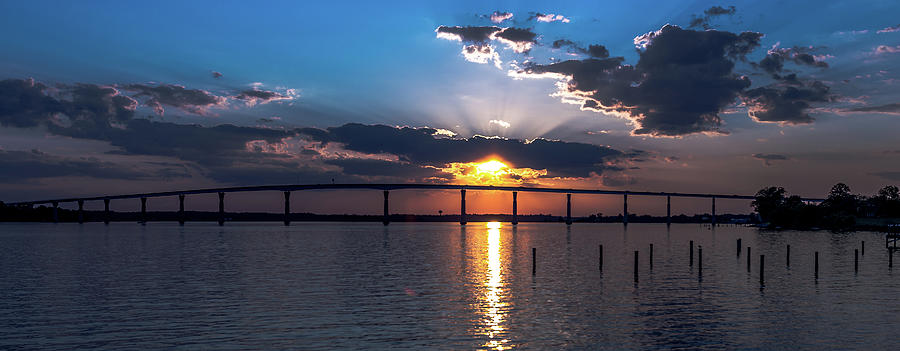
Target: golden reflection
[{"x": 493, "y": 301}]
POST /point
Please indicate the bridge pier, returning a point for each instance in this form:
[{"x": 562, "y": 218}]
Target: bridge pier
[
  {"x": 462, "y": 206},
  {"x": 568, "y": 209},
  {"x": 221, "y": 209},
  {"x": 287, "y": 208},
  {"x": 713, "y": 210},
  {"x": 181, "y": 216},
  {"x": 386, "y": 221},
  {"x": 55, "y": 212},
  {"x": 515, "y": 218},
  {"x": 625, "y": 208},
  {"x": 143, "y": 211},
  {"x": 80, "y": 211},
  {"x": 105, "y": 211},
  {"x": 668, "y": 210}
]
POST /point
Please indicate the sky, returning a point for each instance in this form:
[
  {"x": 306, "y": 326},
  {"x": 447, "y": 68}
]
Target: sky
[{"x": 108, "y": 97}]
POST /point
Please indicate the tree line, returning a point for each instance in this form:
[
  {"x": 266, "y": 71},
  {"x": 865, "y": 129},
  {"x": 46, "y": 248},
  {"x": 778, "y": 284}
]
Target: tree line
[{"x": 839, "y": 211}]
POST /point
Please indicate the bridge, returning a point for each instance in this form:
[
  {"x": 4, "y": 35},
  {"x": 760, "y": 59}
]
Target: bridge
[{"x": 386, "y": 188}]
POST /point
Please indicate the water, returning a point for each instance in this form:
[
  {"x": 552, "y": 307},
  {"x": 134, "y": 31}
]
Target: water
[{"x": 437, "y": 286}]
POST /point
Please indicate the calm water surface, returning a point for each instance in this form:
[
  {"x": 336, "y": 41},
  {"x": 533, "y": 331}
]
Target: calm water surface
[{"x": 438, "y": 286}]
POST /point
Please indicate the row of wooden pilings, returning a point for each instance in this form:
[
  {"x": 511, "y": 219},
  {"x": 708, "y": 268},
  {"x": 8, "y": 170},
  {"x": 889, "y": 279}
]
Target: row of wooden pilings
[
  {"x": 762, "y": 260},
  {"x": 182, "y": 217}
]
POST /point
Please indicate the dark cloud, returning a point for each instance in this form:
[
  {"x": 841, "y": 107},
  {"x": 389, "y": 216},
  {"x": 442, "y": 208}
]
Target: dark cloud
[
  {"x": 709, "y": 14},
  {"x": 893, "y": 176},
  {"x": 194, "y": 101},
  {"x": 373, "y": 167},
  {"x": 420, "y": 146},
  {"x": 258, "y": 96},
  {"x": 681, "y": 82},
  {"x": 216, "y": 75},
  {"x": 518, "y": 35},
  {"x": 20, "y": 166},
  {"x": 773, "y": 63},
  {"x": 888, "y": 108},
  {"x": 596, "y": 51},
  {"x": 786, "y": 103},
  {"x": 768, "y": 158},
  {"x": 469, "y": 34},
  {"x": 24, "y": 103}
]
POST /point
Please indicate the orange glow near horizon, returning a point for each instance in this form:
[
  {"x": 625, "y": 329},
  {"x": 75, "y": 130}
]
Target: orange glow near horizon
[{"x": 492, "y": 171}]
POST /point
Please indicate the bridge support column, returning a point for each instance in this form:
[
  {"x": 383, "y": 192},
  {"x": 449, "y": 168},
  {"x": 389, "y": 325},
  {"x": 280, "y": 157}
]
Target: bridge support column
[
  {"x": 668, "y": 210},
  {"x": 568, "y": 209},
  {"x": 385, "y": 221},
  {"x": 55, "y": 212},
  {"x": 143, "y": 211},
  {"x": 287, "y": 208},
  {"x": 221, "y": 209},
  {"x": 462, "y": 206},
  {"x": 105, "y": 211},
  {"x": 625, "y": 208},
  {"x": 713, "y": 211},
  {"x": 515, "y": 218},
  {"x": 181, "y": 215},
  {"x": 80, "y": 211}
]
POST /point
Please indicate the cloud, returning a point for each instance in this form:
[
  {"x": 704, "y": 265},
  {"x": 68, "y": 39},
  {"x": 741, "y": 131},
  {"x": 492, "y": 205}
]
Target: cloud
[
  {"x": 25, "y": 103},
  {"x": 193, "y": 101},
  {"x": 216, "y": 75},
  {"x": 890, "y": 29},
  {"x": 786, "y": 103},
  {"x": 593, "y": 50},
  {"x": 22, "y": 166},
  {"x": 477, "y": 40},
  {"x": 547, "y": 18},
  {"x": 499, "y": 123},
  {"x": 256, "y": 96},
  {"x": 709, "y": 14},
  {"x": 892, "y": 176},
  {"x": 468, "y": 34},
  {"x": 499, "y": 17},
  {"x": 887, "y": 109},
  {"x": 682, "y": 81},
  {"x": 773, "y": 63},
  {"x": 420, "y": 146},
  {"x": 519, "y": 40},
  {"x": 885, "y": 49},
  {"x": 768, "y": 158}
]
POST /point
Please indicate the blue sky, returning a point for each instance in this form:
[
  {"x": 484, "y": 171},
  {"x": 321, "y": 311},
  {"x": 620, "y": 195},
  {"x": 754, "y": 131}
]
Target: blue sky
[{"x": 333, "y": 63}]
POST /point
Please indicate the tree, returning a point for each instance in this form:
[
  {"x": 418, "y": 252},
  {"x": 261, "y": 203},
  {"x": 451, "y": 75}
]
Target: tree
[
  {"x": 767, "y": 202},
  {"x": 889, "y": 193}
]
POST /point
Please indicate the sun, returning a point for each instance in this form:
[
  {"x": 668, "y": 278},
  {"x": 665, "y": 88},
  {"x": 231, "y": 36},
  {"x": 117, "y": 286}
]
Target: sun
[{"x": 492, "y": 167}]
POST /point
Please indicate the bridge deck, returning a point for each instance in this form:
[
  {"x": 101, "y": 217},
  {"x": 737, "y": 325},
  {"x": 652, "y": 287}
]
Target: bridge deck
[{"x": 300, "y": 187}]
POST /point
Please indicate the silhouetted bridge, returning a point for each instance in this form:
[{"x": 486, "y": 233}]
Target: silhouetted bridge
[{"x": 386, "y": 188}]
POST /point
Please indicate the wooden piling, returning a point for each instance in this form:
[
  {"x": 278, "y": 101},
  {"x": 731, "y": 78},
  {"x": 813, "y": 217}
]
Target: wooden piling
[
  {"x": 601, "y": 257},
  {"x": 635, "y": 266},
  {"x": 789, "y": 255},
  {"x": 651, "y": 256},
  {"x": 863, "y": 248},
  {"x": 700, "y": 259},
  {"x": 890, "y": 258},
  {"x": 748, "y": 259},
  {"x": 817, "y": 265},
  {"x": 856, "y": 260},
  {"x": 692, "y": 253},
  {"x": 533, "y": 261},
  {"x": 739, "y": 247},
  {"x": 762, "y": 263}
]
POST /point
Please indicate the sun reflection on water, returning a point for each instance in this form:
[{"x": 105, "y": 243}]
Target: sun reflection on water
[{"x": 494, "y": 303}]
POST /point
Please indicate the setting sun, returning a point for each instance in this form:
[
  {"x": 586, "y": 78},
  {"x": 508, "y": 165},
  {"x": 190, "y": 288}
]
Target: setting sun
[{"x": 492, "y": 167}]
